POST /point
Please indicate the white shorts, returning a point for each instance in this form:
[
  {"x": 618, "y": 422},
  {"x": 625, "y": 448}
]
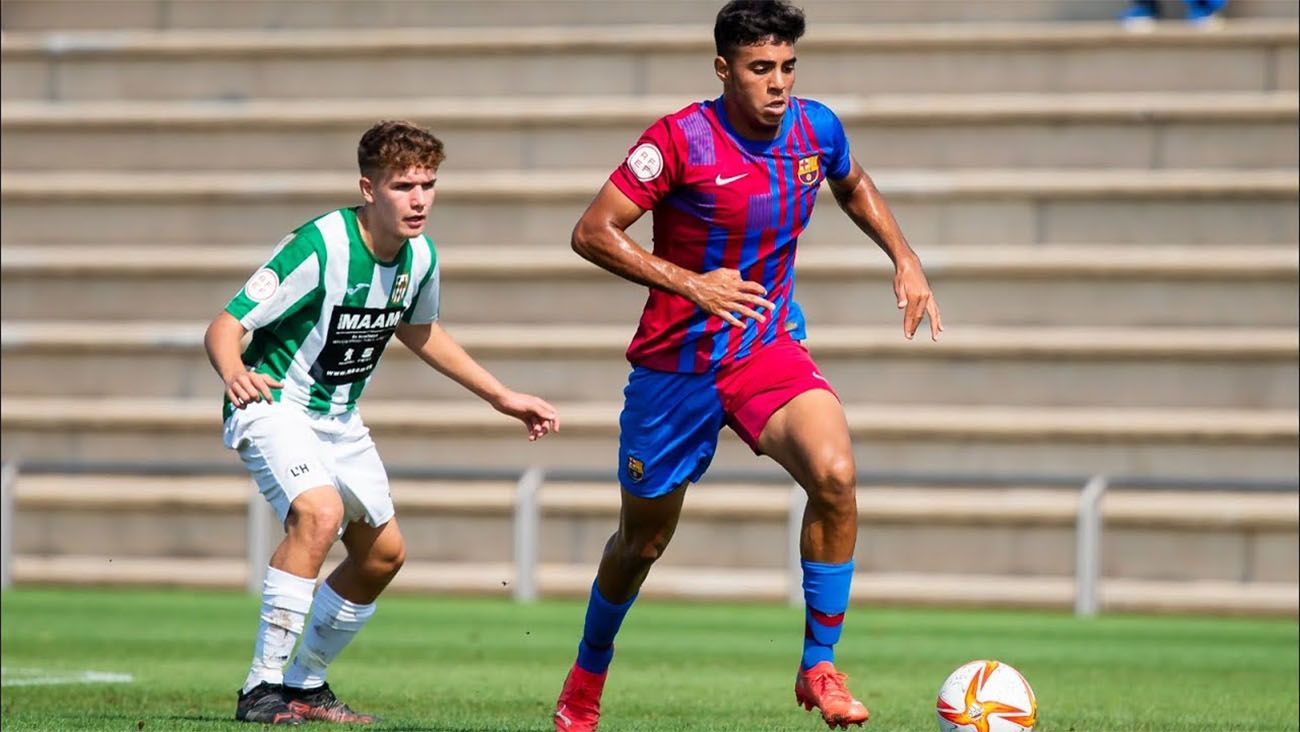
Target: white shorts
[{"x": 289, "y": 450}]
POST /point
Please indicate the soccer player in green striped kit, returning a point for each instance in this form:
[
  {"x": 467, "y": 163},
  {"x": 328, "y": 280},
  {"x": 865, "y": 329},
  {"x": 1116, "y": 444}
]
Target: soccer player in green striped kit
[{"x": 321, "y": 311}]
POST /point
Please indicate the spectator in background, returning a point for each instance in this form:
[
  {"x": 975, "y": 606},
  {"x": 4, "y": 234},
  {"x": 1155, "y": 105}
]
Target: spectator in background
[{"x": 1143, "y": 14}]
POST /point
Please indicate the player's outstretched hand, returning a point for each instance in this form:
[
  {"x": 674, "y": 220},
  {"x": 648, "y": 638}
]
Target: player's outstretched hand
[
  {"x": 725, "y": 294},
  {"x": 539, "y": 417},
  {"x": 916, "y": 300},
  {"x": 246, "y": 387}
]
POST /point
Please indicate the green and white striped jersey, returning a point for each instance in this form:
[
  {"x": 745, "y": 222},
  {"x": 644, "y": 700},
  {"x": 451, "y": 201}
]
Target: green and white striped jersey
[{"x": 323, "y": 307}]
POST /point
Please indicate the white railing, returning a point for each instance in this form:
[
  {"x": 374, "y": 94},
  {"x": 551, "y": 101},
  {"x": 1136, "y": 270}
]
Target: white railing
[
  {"x": 8, "y": 477},
  {"x": 263, "y": 533},
  {"x": 1087, "y": 548}
]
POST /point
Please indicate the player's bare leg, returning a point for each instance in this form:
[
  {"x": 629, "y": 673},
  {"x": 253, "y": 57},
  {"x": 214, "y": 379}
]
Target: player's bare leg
[
  {"x": 343, "y": 605},
  {"x": 809, "y": 437},
  {"x": 645, "y": 527},
  {"x": 310, "y": 529},
  {"x": 374, "y": 557}
]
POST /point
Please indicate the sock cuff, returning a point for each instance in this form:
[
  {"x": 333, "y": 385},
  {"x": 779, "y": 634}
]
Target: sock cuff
[
  {"x": 824, "y": 568},
  {"x": 826, "y": 586},
  {"x": 287, "y": 591},
  {"x": 338, "y": 612},
  {"x": 608, "y": 606}
]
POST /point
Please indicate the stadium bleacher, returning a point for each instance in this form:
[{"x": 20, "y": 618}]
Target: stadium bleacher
[{"x": 1109, "y": 219}]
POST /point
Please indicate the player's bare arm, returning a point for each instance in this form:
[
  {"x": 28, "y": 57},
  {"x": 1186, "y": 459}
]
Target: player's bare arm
[
  {"x": 223, "y": 342},
  {"x": 437, "y": 348},
  {"x": 862, "y": 201},
  {"x": 601, "y": 238}
]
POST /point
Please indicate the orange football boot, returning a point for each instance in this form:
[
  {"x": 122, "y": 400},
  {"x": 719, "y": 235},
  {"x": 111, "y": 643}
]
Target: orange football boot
[
  {"x": 823, "y": 687},
  {"x": 578, "y": 708}
]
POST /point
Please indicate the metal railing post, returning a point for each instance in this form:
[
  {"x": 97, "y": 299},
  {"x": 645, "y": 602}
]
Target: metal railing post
[
  {"x": 260, "y": 520},
  {"x": 1087, "y": 548},
  {"x": 794, "y": 532},
  {"x": 8, "y": 477},
  {"x": 526, "y": 534}
]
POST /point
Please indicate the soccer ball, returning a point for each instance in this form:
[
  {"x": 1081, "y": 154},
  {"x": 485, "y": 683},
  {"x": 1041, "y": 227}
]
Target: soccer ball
[{"x": 986, "y": 696}]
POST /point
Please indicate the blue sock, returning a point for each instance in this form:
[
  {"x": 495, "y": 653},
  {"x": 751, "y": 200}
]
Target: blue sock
[
  {"x": 603, "y": 620},
  {"x": 826, "y": 598}
]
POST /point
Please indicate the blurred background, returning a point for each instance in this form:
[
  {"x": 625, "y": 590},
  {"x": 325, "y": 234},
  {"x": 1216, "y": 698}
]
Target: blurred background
[{"x": 1108, "y": 217}]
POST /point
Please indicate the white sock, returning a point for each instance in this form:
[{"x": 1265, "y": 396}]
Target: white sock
[
  {"x": 334, "y": 621},
  {"x": 285, "y": 601}
]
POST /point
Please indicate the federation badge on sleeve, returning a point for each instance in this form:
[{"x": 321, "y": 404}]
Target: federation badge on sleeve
[
  {"x": 809, "y": 170},
  {"x": 646, "y": 162},
  {"x": 262, "y": 285},
  {"x": 635, "y": 468}
]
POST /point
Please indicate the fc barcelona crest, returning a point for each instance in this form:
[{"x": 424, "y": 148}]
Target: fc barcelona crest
[
  {"x": 635, "y": 468},
  {"x": 400, "y": 283},
  {"x": 809, "y": 168}
]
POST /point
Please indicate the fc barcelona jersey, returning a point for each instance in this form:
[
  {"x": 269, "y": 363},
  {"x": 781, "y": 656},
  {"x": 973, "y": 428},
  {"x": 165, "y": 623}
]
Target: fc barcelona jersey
[{"x": 723, "y": 201}]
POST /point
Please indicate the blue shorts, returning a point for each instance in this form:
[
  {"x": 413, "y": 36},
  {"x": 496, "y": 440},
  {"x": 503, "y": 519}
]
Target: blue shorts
[{"x": 668, "y": 430}]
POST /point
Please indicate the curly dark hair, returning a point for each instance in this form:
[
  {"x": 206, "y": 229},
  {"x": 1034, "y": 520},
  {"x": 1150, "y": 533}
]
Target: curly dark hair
[
  {"x": 398, "y": 145},
  {"x": 751, "y": 22}
]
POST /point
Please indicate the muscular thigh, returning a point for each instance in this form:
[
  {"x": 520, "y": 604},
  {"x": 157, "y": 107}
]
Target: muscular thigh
[{"x": 808, "y": 436}]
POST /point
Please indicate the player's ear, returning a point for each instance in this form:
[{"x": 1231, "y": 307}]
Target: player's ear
[
  {"x": 721, "y": 69},
  {"x": 367, "y": 189}
]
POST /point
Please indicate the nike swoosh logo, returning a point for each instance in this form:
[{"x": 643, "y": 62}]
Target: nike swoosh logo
[
  {"x": 817, "y": 375},
  {"x": 724, "y": 181},
  {"x": 357, "y": 288}
]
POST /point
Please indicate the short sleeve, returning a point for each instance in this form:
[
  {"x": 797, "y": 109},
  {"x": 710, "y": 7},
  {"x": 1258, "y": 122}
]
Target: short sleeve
[
  {"x": 282, "y": 284},
  {"x": 651, "y": 169},
  {"x": 424, "y": 309},
  {"x": 836, "y": 156}
]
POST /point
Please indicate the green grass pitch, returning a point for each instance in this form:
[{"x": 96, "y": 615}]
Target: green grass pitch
[{"x": 460, "y": 665}]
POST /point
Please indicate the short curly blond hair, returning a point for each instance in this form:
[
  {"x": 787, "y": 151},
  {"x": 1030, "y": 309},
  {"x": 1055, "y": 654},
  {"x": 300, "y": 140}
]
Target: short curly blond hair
[{"x": 398, "y": 145}]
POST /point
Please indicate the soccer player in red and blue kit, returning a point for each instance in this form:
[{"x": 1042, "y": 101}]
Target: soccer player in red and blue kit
[{"x": 732, "y": 182}]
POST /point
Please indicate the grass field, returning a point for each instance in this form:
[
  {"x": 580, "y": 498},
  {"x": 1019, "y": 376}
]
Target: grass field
[{"x": 453, "y": 665}]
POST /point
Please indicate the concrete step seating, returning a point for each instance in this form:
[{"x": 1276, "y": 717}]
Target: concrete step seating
[
  {"x": 1092, "y": 285},
  {"x": 102, "y": 550},
  {"x": 1207, "y": 443},
  {"x": 935, "y": 206},
  {"x": 970, "y": 365},
  {"x": 1156, "y": 130},
  {"x": 36, "y": 15},
  {"x": 1248, "y": 55}
]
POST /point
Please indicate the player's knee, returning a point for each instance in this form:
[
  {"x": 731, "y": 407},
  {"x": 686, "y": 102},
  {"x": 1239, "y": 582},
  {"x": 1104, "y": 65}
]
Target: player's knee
[
  {"x": 639, "y": 552},
  {"x": 386, "y": 563},
  {"x": 316, "y": 519},
  {"x": 834, "y": 486}
]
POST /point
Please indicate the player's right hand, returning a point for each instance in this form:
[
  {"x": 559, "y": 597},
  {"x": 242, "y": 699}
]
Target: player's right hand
[
  {"x": 245, "y": 387},
  {"x": 723, "y": 293}
]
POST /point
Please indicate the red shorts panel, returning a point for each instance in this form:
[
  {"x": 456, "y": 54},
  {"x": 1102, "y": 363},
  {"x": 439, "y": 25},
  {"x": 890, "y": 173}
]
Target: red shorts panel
[{"x": 753, "y": 389}]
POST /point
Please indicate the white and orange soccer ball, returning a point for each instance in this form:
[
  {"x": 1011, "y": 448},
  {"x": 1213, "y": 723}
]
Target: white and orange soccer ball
[{"x": 986, "y": 696}]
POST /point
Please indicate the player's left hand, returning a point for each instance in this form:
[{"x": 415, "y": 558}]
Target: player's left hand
[
  {"x": 537, "y": 415},
  {"x": 915, "y": 299}
]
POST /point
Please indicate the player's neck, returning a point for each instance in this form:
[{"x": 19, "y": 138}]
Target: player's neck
[
  {"x": 384, "y": 247},
  {"x": 744, "y": 126}
]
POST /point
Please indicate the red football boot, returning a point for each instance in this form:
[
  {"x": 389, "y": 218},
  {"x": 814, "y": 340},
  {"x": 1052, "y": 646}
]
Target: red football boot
[
  {"x": 823, "y": 687},
  {"x": 578, "y": 708}
]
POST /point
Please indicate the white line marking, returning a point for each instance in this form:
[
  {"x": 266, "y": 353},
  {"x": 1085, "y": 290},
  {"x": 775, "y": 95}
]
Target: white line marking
[{"x": 41, "y": 677}]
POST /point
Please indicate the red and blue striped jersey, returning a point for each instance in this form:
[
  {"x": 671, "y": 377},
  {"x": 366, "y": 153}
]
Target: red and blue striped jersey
[{"x": 721, "y": 200}]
